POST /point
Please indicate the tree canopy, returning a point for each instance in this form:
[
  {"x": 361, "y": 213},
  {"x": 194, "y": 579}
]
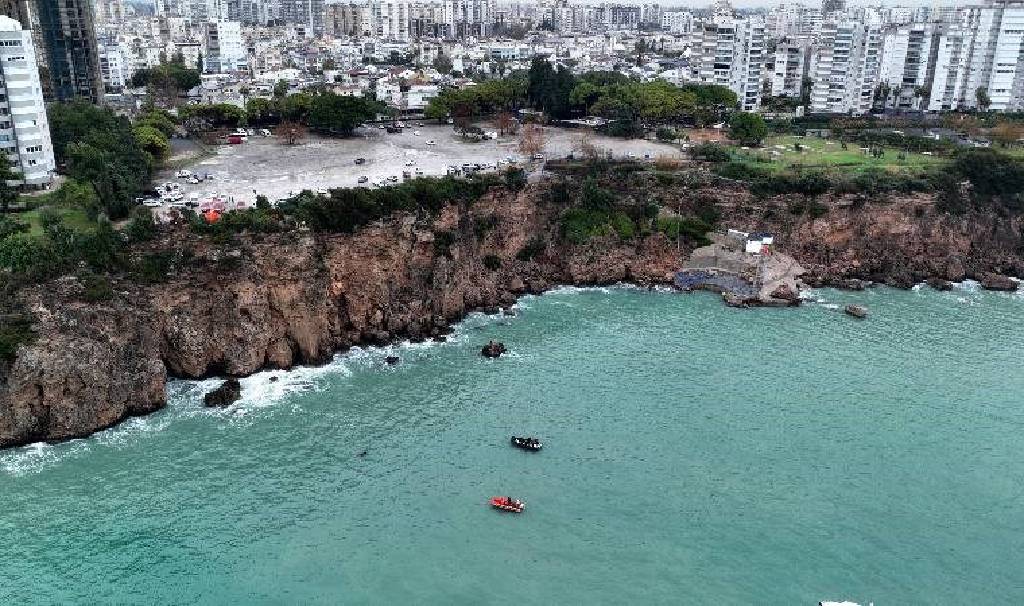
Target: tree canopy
[
  {"x": 95, "y": 146},
  {"x": 747, "y": 128}
]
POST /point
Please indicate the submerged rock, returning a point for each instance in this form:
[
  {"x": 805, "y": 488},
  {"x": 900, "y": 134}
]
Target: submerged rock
[
  {"x": 493, "y": 349},
  {"x": 391, "y": 360},
  {"x": 857, "y": 311},
  {"x": 997, "y": 282},
  {"x": 228, "y": 392}
]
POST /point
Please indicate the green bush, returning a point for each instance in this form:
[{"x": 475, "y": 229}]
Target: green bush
[
  {"x": 690, "y": 229},
  {"x": 623, "y": 225},
  {"x": 443, "y": 241},
  {"x": 515, "y": 178},
  {"x": 152, "y": 268},
  {"x": 492, "y": 262},
  {"x": 142, "y": 226},
  {"x": 533, "y": 248},
  {"x": 15, "y": 330},
  {"x": 96, "y": 288},
  {"x": 9, "y": 226},
  {"x": 710, "y": 152},
  {"x": 579, "y": 225},
  {"x": 666, "y": 134}
]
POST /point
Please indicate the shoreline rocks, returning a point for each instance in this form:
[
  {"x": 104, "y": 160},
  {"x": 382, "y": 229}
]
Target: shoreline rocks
[
  {"x": 226, "y": 394},
  {"x": 998, "y": 282}
]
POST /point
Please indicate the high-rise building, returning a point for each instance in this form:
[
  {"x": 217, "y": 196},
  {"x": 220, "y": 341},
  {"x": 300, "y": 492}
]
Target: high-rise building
[
  {"x": 307, "y": 13},
  {"x": 846, "y": 63},
  {"x": 224, "y": 50},
  {"x": 792, "y": 60},
  {"x": 908, "y": 63},
  {"x": 65, "y": 43},
  {"x": 732, "y": 55},
  {"x": 24, "y": 130}
]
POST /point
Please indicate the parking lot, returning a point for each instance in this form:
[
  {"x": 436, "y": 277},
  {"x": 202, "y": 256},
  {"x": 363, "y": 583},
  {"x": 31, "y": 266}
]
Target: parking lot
[{"x": 266, "y": 166}]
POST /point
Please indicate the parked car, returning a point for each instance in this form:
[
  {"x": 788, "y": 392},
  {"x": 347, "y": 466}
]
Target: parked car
[
  {"x": 431, "y": 142},
  {"x": 151, "y": 203},
  {"x": 410, "y": 162},
  {"x": 193, "y": 180},
  {"x": 419, "y": 172},
  {"x": 264, "y": 132},
  {"x": 393, "y": 178},
  {"x": 360, "y": 160},
  {"x": 183, "y": 174},
  {"x": 240, "y": 133},
  {"x": 363, "y": 179},
  {"x": 416, "y": 133},
  {"x": 406, "y": 174}
]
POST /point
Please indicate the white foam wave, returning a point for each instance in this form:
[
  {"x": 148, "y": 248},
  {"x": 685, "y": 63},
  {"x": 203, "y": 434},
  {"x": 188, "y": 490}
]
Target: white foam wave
[{"x": 39, "y": 456}]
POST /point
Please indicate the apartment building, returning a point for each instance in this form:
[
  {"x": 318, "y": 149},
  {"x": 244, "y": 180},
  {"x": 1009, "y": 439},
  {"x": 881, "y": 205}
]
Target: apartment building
[{"x": 24, "y": 130}]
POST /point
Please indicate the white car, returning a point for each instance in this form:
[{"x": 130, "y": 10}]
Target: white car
[
  {"x": 431, "y": 142},
  {"x": 419, "y": 172},
  {"x": 410, "y": 163},
  {"x": 193, "y": 180},
  {"x": 183, "y": 174},
  {"x": 151, "y": 203},
  {"x": 416, "y": 132},
  {"x": 264, "y": 132}
]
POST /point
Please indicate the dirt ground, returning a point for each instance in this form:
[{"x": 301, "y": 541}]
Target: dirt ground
[{"x": 268, "y": 167}]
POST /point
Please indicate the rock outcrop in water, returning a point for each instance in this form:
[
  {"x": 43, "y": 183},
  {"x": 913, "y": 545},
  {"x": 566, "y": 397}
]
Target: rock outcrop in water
[
  {"x": 857, "y": 311},
  {"x": 493, "y": 349},
  {"x": 226, "y": 394}
]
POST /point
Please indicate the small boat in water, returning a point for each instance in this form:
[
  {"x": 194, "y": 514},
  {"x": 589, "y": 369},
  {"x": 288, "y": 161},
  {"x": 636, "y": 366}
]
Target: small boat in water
[
  {"x": 527, "y": 443},
  {"x": 508, "y": 504}
]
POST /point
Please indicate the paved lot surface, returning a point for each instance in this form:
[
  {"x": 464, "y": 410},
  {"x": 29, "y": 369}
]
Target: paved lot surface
[{"x": 265, "y": 166}]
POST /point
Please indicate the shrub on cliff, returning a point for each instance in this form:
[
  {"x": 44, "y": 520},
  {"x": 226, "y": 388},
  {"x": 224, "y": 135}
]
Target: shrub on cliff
[
  {"x": 692, "y": 230},
  {"x": 533, "y": 248},
  {"x": 345, "y": 210},
  {"x": 992, "y": 173},
  {"x": 710, "y": 152},
  {"x": 15, "y": 330}
]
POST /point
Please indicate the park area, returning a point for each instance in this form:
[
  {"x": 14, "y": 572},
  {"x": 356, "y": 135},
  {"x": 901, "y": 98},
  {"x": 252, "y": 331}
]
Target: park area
[{"x": 784, "y": 152}]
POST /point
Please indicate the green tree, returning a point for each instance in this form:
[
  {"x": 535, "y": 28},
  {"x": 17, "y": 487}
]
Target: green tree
[
  {"x": 152, "y": 141},
  {"x": 748, "y": 128},
  {"x": 338, "y": 115},
  {"x": 443, "y": 63},
  {"x": 8, "y": 192},
  {"x": 984, "y": 101}
]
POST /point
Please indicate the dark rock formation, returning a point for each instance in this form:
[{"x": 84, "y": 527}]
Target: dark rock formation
[
  {"x": 786, "y": 293},
  {"x": 940, "y": 284},
  {"x": 857, "y": 311},
  {"x": 493, "y": 349},
  {"x": 227, "y": 394},
  {"x": 992, "y": 281},
  {"x": 391, "y": 360}
]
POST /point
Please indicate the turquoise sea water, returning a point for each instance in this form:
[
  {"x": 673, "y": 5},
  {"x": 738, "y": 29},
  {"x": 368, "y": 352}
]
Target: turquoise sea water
[{"x": 695, "y": 454}]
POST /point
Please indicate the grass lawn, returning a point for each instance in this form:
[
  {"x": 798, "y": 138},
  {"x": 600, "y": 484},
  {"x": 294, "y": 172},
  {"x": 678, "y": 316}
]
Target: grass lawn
[
  {"x": 73, "y": 217},
  {"x": 827, "y": 153}
]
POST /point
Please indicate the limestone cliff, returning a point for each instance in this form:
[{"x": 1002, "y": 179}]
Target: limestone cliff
[
  {"x": 290, "y": 298},
  {"x": 296, "y": 297}
]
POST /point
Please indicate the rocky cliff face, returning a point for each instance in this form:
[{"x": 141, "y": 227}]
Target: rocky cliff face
[
  {"x": 297, "y": 297},
  {"x": 289, "y": 299}
]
